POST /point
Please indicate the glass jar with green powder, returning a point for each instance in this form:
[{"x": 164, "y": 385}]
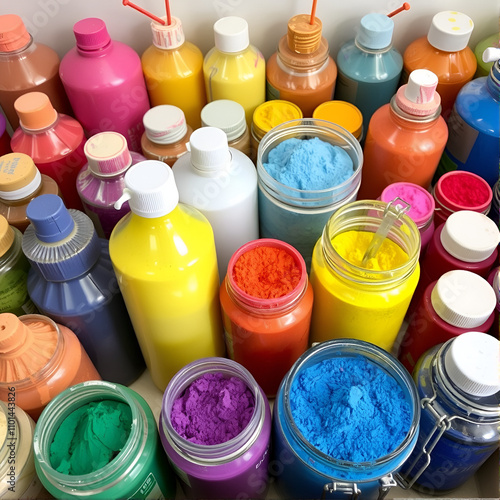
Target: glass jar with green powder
[{"x": 99, "y": 440}]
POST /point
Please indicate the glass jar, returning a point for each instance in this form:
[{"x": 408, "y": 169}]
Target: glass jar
[
  {"x": 234, "y": 469},
  {"x": 298, "y": 216},
  {"x": 302, "y": 471},
  {"x": 360, "y": 303},
  {"x": 140, "y": 470}
]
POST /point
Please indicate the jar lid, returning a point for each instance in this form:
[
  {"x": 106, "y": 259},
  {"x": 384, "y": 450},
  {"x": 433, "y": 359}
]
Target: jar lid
[
  {"x": 165, "y": 124},
  {"x": 13, "y": 33},
  {"x": 450, "y": 31},
  {"x": 6, "y": 235},
  {"x": 470, "y": 236},
  {"x": 168, "y": 36},
  {"x": 419, "y": 97},
  {"x": 463, "y": 299},
  {"x": 375, "y": 31},
  {"x": 472, "y": 363},
  {"x": 209, "y": 149},
  {"x": 35, "y": 111},
  {"x": 107, "y": 154},
  {"x": 91, "y": 34},
  {"x": 304, "y": 37},
  {"x": 269, "y": 114},
  {"x": 227, "y": 115},
  {"x": 231, "y": 34},
  {"x": 342, "y": 113},
  {"x": 19, "y": 176}
]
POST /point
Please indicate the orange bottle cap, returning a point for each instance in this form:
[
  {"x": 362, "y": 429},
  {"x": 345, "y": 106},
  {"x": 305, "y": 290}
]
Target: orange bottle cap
[
  {"x": 13, "y": 33},
  {"x": 13, "y": 334},
  {"x": 304, "y": 37},
  {"x": 6, "y": 235},
  {"x": 342, "y": 113},
  {"x": 17, "y": 171},
  {"x": 35, "y": 111}
]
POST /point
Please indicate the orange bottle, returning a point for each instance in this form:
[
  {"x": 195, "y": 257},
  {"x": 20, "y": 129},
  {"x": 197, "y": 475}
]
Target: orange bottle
[
  {"x": 444, "y": 51},
  {"x": 405, "y": 138}
]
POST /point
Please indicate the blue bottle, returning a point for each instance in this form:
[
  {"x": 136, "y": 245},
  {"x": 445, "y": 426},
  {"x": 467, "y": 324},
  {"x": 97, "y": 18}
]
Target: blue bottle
[
  {"x": 368, "y": 67},
  {"x": 71, "y": 280},
  {"x": 474, "y": 128}
]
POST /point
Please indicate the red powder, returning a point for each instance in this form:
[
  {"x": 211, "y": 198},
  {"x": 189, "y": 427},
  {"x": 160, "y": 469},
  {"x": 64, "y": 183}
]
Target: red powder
[
  {"x": 266, "y": 272},
  {"x": 465, "y": 190}
]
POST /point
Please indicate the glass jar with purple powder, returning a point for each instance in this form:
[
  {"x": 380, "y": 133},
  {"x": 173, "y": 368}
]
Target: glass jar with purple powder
[{"x": 215, "y": 426}]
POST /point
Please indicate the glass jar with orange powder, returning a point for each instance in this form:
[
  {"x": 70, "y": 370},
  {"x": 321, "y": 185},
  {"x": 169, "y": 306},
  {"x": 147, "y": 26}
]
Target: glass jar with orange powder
[{"x": 266, "y": 302}]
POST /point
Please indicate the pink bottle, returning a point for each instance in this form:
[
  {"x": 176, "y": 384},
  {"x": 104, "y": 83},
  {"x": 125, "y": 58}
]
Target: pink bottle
[
  {"x": 104, "y": 82},
  {"x": 54, "y": 142}
]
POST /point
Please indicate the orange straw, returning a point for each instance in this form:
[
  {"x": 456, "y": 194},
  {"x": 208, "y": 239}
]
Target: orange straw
[
  {"x": 405, "y": 6},
  {"x": 143, "y": 11},
  {"x": 313, "y": 11},
  {"x": 167, "y": 8}
]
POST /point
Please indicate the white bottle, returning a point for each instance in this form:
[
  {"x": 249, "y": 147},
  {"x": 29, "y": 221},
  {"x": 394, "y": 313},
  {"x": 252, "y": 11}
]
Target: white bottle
[{"x": 221, "y": 182}]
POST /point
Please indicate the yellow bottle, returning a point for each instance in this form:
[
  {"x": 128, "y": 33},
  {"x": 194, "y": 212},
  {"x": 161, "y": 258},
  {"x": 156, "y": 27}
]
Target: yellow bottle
[
  {"x": 163, "y": 254},
  {"x": 234, "y": 69},
  {"x": 173, "y": 69}
]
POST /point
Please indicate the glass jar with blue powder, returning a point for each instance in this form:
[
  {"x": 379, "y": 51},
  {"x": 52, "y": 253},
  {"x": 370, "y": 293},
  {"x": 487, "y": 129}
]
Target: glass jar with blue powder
[
  {"x": 346, "y": 418},
  {"x": 307, "y": 169}
]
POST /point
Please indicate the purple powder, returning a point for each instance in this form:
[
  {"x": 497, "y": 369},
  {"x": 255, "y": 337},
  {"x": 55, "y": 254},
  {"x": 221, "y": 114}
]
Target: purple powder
[{"x": 213, "y": 409}]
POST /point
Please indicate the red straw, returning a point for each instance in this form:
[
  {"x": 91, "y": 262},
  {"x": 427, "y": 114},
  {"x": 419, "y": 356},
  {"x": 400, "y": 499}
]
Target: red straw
[
  {"x": 142, "y": 11},
  {"x": 167, "y": 8},
  {"x": 313, "y": 11},
  {"x": 405, "y": 6}
]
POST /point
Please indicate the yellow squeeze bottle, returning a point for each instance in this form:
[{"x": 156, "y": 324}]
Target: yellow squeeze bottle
[{"x": 164, "y": 257}]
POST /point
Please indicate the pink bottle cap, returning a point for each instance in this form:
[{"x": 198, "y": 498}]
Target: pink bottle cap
[
  {"x": 13, "y": 33},
  {"x": 168, "y": 36},
  {"x": 419, "y": 97},
  {"x": 107, "y": 154},
  {"x": 91, "y": 34}
]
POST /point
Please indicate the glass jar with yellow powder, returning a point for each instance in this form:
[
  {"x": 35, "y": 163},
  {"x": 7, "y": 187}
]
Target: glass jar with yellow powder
[{"x": 365, "y": 301}]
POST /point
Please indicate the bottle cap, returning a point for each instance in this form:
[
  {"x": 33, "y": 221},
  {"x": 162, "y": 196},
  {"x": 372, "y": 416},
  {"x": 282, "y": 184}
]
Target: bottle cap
[
  {"x": 168, "y": 36},
  {"x": 491, "y": 54},
  {"x": 91, "y": 34},
  {"x": 375, "y": 31},
  {"x": 302, "y": 36},
  {"x": 150, "y": 189},
  {"x": 227, "y": 115},
  {"x": 209, "y": 149},
  {"x": 450, "y": 31},
  {"x": 231, "y": 34},
  {"x": 472, "y": 363},
  {"x": 269, "y": 114},
  {"x": 342, "y": 113},
  {"x": 13, "y": 33},
  {"x": 470, "y": 236},
  {"x": 6, "y": 235},
  {"x": 419, "y": 97},
  {"x": 35, "y": 111},
  {"x": 463, "y": 299},
  {"x": 19, "y": 176},
  {"x": 107, "y": 154},
  {"x": 165, "y": 124}
]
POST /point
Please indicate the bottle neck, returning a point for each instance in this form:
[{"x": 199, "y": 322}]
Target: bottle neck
[
  {"x": 101, "y": 51},
  {"x": 371, "y": 51},
  {"x": 30, "y": 46},
  {"x": 302, "y": 63},
  {"x": 406, "y": 120}
]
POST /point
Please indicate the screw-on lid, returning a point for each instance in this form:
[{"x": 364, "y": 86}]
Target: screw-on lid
[
  {"x": 107, "y": 154},
  {"x": 150, "y": 189},
  {"x": 6, "y": 235},
  {"x": 472, "y": 361},
  {"x": 91, "y": 34},
  {"x": 463, "y": 299},
  {"x": 269, "y": 114},
  {"x": 227, "y": 115},
  {"x": 13, "y": 33},
  {"x": 35, "y": 111},
  {"x": 231, "y": 34},
  {"x": 168, "y": 36},
  {"x": 375, "y": 31},
  {"x": 450, "y": 31},
  {"x": 19, "y": 176},
  {"x": 342, "y": 113},
  {"x": 209, "y": 149},
  {"x": 470, "y": 236},
  {"x": 165, "y": 124},
  {"x": 419, "y": 97},
  {"x": 302, "y": 36}
]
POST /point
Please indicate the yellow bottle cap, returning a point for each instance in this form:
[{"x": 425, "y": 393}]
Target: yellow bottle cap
[
  {"x": 269, "y": 114},
  {"x": 19, "y": 176},
  {"x": 342, "y": 113},
  {"x": 304, "y": 37},
  {"x": 6, "y": 235}
]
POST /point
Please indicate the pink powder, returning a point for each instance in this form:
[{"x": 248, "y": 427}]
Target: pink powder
[
  {"x": 213, "y": 409},
  {"x": 466, "y": 190}
]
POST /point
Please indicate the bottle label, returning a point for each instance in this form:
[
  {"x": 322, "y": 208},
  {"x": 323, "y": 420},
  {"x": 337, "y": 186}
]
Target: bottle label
[
  {"x": 462, "y": 137},
  {"x": 347, "y": 89},
  {"x": 14, "y": 293},
  {"x": 271, "y": 92},
  {"x": 149, "y": 490}
]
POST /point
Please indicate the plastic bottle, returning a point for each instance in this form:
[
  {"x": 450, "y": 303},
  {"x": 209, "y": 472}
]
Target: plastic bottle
[
  {"x": 369, "y": 67},
  {"x": 234, "y": 69},
  {"x": 101, "y": 182},
  {"x": 104, "y": 82},
  {"x": 26, "y": 66},
  {"x": 173, "y": 68},
  {"x": 168, "y": 276},
  {"x": 72, "y": 282},
  {"x": 222, "y": 184},
  {"x": 444, "y": 51},
  {"x": 405, "y": 138},
  {"x": 4, "y": 137},
  {"x": 302, "y": 71},
  {"x": 483, "y": 67},
  {"x": 474, "y": 141},
  {"x": 55, "y": 143}
]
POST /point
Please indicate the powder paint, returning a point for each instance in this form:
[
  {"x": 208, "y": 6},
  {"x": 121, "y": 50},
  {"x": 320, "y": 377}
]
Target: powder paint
[
  {"x": 350, "y": 409},
  {"x": 90, "y": 437},
  {"x": 266, "y": 272},
  {"x": 213, "y": 409},
  {"x": 465, "y": 190},
  {"x": 309, "y": 165},
  {"x": 420, "y": 200}
]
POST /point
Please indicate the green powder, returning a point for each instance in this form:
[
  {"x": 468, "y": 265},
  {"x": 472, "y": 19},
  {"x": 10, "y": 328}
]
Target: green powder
[{"x": 90, "y": 437}]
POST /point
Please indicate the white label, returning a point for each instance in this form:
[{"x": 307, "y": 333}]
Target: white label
[{"x": 149, "y": 490}]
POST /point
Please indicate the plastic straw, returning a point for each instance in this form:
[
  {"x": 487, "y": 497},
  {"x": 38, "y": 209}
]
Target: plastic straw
[
  {"x": 143, "y": 11},
  {"x": 405, "y": 6},
  {"x": 313, "y": 11},
  {"x": 167, "y": 8}
]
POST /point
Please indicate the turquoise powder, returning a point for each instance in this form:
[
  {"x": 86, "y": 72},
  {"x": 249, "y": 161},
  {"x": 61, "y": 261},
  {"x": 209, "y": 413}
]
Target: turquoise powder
[{"x": 350, "y": 409}]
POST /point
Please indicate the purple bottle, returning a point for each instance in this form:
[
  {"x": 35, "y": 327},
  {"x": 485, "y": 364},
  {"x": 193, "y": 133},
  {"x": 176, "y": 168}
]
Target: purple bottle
[
  {"x": 71, "y": 280},
  {"x": 101, "y": 181},
  {"x": 104, "y": 82}
]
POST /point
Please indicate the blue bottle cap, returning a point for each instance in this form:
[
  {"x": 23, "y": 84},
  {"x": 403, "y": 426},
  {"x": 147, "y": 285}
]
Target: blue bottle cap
[{"x": 375, "y": 31}]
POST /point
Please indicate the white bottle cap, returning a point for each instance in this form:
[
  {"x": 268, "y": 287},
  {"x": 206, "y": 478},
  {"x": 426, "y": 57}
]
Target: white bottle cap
[
  {"x": 463, "y": 299},
  {"x": 450, "y": 31},
  {"x": 472, "y": 362},
  {"x": 491, "y": 54},
  {"x": 107, "y": 154},
  {"x": 165, "y": 124},
  {"x": 150, "y": 189},
  {"x": 168, "y": 36},
  {"x": 470, "y": 236},
  {"x": 231, "y": 34},
  {"x": 227, "y": 115},
  {"x": 209, "y": 149},
  {"x": 419, "y": 97}
]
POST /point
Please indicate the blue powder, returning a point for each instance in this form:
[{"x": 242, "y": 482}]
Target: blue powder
[
  {"x": 309, "y": 165},
  {"x": 350, "y": 409}
]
